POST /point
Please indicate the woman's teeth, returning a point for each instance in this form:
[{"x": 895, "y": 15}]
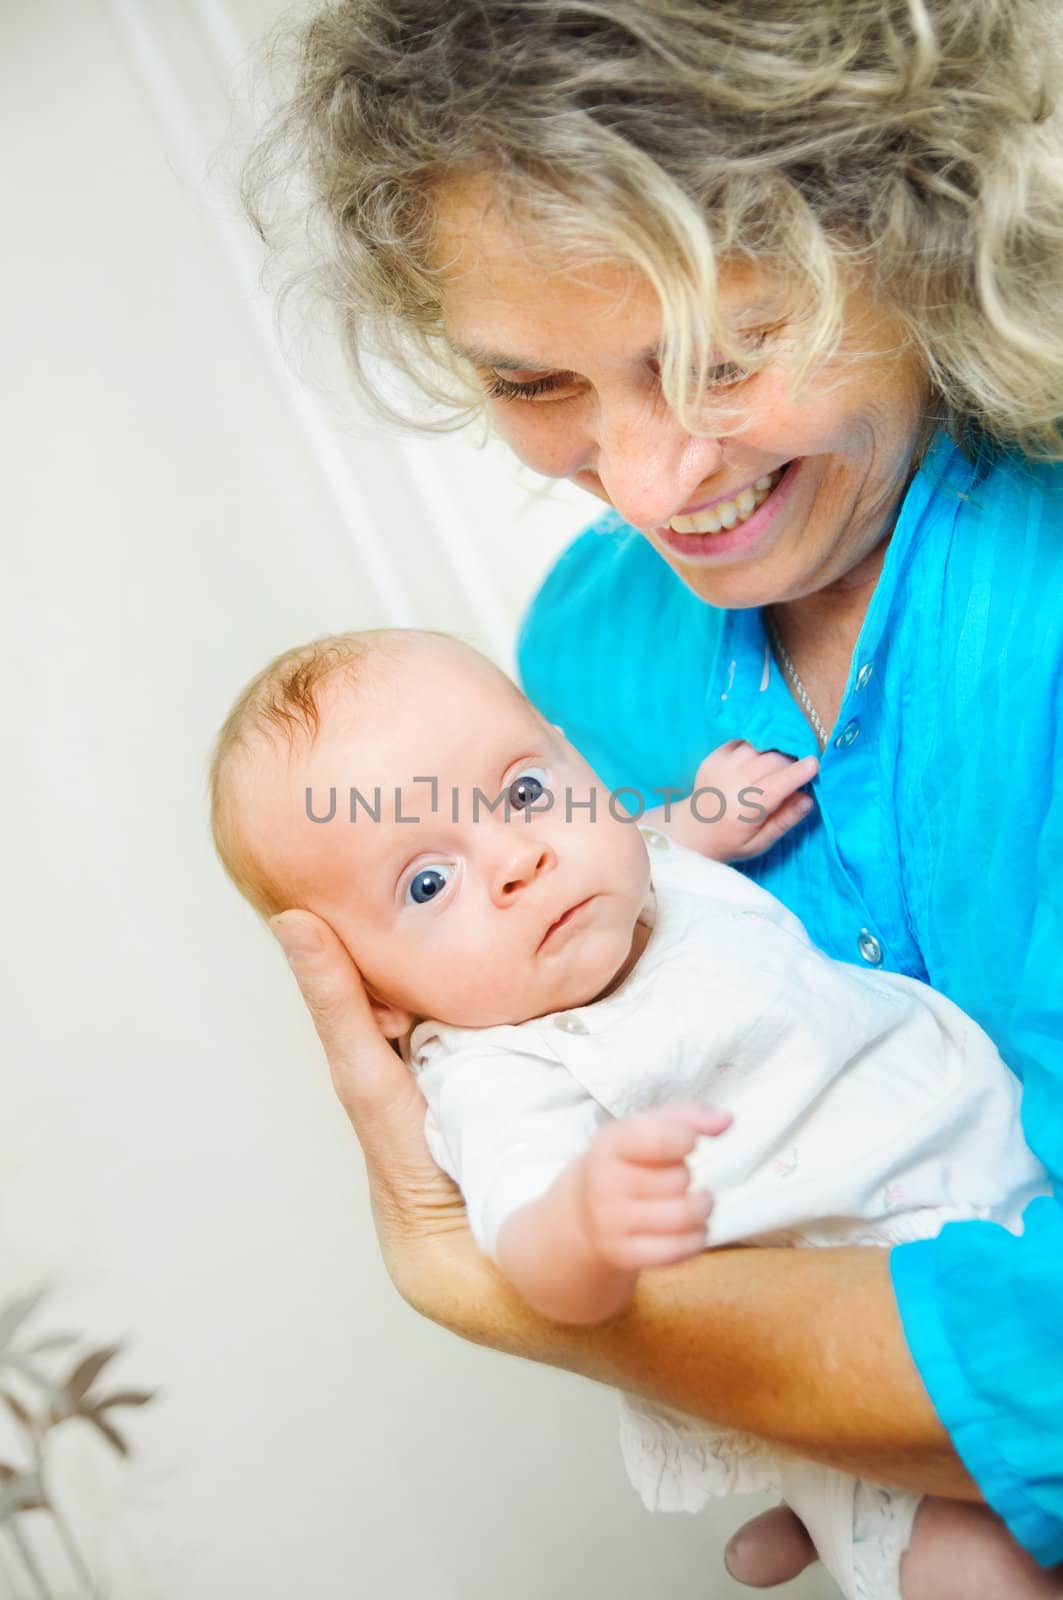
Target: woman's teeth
[{"x": 728, "y": 513}]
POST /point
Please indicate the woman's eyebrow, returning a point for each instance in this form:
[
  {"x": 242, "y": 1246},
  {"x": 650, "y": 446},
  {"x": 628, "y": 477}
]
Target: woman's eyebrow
[
  {"x": 505, "y": 363},
  {"x": 492, "y": 358}
]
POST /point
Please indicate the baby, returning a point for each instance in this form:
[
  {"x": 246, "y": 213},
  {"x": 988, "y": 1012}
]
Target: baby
[{"x": 629, "y": 1051}]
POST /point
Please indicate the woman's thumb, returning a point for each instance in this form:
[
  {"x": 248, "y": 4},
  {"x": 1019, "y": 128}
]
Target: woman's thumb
[
  {"x": 332, "y": 988},
  {"x": 374, "y": 1085},
  {"x": 323, "y": 970}
]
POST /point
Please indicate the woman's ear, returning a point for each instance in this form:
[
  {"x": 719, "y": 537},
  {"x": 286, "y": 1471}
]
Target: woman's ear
[{"x": 393, "y": 1021}]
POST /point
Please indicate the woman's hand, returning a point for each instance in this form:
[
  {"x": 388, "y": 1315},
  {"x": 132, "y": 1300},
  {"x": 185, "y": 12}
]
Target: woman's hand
[
  {"x": 416, "y": 1207},
  {"x": 420, "y": 1219}
]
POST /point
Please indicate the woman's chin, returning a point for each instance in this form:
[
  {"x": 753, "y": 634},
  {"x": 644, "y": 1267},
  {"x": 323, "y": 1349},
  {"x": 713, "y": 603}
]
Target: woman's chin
[{"x": 732, "y": 588}]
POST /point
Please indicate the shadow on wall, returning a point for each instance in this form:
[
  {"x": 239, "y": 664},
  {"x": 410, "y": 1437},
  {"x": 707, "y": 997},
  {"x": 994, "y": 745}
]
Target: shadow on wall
[{"x": 40, "y": 1400}]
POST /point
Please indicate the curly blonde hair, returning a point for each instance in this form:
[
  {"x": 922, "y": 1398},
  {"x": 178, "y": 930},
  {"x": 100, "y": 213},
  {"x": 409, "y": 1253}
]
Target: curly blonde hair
[{"x": 918, "y": 143}]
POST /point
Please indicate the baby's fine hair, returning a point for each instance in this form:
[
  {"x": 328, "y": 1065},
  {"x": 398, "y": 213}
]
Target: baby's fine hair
[{"x": 281, "y": 705}]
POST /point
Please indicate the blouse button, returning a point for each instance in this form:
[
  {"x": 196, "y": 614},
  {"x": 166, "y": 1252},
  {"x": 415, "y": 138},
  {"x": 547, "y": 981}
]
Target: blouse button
[
  {"x": 869, "y": 948},
  {"x": 570, "y": 1024},
  {"x": 849, "y": 735},
  {"x": 863, "y": 677}
]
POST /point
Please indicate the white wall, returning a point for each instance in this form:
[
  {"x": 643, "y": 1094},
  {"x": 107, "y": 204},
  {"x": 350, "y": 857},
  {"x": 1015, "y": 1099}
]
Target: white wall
[{"x": 175, "y": 508}]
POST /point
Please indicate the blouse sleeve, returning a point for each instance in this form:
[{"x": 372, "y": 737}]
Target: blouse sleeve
[{"x": 982, "y": 1308}]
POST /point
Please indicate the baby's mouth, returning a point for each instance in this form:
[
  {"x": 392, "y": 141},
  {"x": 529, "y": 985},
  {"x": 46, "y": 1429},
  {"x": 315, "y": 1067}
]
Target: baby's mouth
[{"x": 563, "y": 920}]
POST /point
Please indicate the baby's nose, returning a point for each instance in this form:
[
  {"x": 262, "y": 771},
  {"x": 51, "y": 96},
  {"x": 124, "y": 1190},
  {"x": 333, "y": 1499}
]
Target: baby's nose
[{"x": 518, "y": 867}]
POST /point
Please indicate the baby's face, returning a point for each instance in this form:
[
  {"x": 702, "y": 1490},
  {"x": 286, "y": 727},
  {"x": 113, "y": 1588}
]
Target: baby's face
[{"x": 462, "y": 915}]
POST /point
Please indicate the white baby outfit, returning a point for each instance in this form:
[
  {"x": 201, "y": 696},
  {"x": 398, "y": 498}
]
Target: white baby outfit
[{"x": 868, "y": 1109}]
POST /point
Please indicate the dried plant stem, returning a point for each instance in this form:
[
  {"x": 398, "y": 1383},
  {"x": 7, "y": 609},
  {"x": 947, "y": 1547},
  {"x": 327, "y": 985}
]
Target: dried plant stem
[
  {"x": 67, "y": 1540},
  {"x": 77, "y": 1560},
  {"x": 29, "y": 1561}
]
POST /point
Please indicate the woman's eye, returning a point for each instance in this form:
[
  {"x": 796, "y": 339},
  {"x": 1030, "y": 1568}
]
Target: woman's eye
[
  {"x": 723, "y": 376},
  {"x": 505, "y": 389},
  {"x": 731, "y": 372},
  {"x": 526, "y": 787},
  {"x": 427, "y": 884}
]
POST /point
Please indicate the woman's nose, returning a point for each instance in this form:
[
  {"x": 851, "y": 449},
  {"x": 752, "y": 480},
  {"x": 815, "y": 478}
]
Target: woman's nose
[
  {"x": 650, "y": 467},
  {"x": 517, "y": 864}
]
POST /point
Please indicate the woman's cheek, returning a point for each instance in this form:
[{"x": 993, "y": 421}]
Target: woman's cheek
[{"x": 539, "y": 436}]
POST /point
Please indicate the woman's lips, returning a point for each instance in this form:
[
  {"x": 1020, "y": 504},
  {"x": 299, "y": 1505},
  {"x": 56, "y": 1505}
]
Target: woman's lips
[
  {"x": 727, "y": 510},
  {"x": 695, "y": 548}
]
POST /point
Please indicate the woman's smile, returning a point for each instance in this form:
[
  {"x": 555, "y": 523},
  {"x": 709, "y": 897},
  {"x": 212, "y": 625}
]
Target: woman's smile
[
  {"x": 732, "y": 529},
  {"x": 727, "y": 510}
]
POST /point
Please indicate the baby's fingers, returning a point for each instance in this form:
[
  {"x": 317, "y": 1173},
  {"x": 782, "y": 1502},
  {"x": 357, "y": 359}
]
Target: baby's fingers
[
  {"x": 772, "y": 788},
  {"x": 788, "y": 815},
  {"x": 666, "y": 1134},
  {"x": 679, "y": 1215},
  {"x": 661, "y": 1250}
]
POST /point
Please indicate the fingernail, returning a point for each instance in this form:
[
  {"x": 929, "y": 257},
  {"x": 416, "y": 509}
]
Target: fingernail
[{"x": 296, "y": 939}]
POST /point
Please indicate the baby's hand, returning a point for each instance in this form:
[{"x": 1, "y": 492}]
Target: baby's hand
[
  {"x": 754, "y": 796},
  {"x": 634, "y": 1189}
]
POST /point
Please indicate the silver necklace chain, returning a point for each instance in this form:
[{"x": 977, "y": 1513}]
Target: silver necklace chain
[{"x": 803, "y": 696}]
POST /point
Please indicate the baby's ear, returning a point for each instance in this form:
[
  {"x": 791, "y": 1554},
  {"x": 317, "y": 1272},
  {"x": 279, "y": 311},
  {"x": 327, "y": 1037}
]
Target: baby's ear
[{"x": 393, "y": 1022}]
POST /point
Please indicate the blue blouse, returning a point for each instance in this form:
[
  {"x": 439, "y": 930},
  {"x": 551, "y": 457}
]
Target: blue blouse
[{"x": 935, "y": 849}]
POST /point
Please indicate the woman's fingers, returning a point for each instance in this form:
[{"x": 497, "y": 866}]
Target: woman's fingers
[{"x": 413, "y": 1201}]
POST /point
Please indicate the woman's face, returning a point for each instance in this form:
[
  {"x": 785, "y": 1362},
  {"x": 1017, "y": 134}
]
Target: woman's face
[{"x": 568, "y": 360}]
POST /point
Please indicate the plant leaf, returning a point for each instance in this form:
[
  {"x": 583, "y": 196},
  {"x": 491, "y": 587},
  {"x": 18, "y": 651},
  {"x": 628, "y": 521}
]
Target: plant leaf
[
  {"x": 112, "y": 1435},
  {"x": 128, "y": 1397},
  {"x": 19, "y": 1363},
  {"x": 16, "y": 1408},
  {"x": 15, "y": 1313},
  {"x": 52, "y": 1341},
  {"x": 21, "y": 1491},
  {"x": 86, "y": 1373}
]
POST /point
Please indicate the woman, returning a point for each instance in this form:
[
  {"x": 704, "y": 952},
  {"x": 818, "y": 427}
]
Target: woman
[{"x": 782, "y": 285}]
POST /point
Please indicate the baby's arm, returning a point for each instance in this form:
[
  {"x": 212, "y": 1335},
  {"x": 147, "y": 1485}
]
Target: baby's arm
[
  {"x": 743, "y": 801},
  {"x": 575, "y": 1253}
]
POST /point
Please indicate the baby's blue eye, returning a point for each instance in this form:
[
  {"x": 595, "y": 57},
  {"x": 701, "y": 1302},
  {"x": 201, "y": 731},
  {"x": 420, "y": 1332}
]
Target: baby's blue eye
[
  {"x": 426, "y": 884},
  {"x": 526, "y": 787}
]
